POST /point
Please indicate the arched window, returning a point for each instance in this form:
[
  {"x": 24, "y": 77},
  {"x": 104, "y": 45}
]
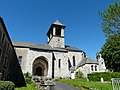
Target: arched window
[
  {"x": 73, "y": 60},
  {"x": 92, "y": 68},
  {"x": 69, "y": 64},
  {"x": 95, "y": 68},
  {"x": 20, "y": 59},
  {"x": 59, "y": 63}
]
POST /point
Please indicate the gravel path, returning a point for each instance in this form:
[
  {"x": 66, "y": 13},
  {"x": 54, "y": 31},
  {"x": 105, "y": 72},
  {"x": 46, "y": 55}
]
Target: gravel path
[{"x": 62, "y": 86}]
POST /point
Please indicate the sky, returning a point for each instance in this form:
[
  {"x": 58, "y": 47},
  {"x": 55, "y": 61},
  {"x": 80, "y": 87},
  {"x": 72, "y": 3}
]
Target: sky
[{"x": 29, "y": 21}]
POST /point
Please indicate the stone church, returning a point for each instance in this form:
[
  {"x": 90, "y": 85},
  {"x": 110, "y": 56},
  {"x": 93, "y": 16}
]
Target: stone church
[{"x": 53, "y": 59}]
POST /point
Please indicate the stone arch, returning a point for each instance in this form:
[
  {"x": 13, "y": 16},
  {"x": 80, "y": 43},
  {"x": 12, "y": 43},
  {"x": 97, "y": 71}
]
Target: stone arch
[{"x": 40, "y": 66}]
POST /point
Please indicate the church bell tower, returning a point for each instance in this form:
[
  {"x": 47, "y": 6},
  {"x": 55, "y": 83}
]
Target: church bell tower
[{"x": 56, "y": 35}]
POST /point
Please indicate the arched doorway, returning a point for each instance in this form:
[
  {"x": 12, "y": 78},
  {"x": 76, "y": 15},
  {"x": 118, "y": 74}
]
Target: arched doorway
[
  {"x": 39, "y": 71},
  {"x": 40, "y": 66}
]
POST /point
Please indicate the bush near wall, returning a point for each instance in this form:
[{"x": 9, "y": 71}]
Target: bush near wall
[
  {"x": 107, "y": 76},
  {"x": 7, "y": 85},
  {"x": 78, "y": 74},
  {"x": 28, "y": 78}
]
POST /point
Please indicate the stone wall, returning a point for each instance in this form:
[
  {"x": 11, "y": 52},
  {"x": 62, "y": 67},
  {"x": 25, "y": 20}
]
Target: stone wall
[
  {"x": 64, "y": 70},
  {"x": 57, "y": 42},
  {"x": 9, "y": 66},
  {"x": 35, "y": 54},
  {"x": 24, "y": 52},
  {"x": 86, "y": 69},
  {"x": 30, "y": 55}
]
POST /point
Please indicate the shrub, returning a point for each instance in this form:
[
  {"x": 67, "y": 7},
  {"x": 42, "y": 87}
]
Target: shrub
[
  {"x": 107, "y": 76},
  {"x": 28, "y": 78},
  {"x": 7, "y": 85},
  {"x": 79, "y": 74}
]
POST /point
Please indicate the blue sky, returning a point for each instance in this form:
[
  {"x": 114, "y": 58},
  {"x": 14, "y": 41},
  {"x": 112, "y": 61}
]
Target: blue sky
[{"x": 29, "y": 21}]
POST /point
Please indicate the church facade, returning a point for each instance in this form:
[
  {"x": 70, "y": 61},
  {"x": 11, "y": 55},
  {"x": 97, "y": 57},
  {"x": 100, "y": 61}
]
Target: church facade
[{"x": 53, "y": 59}]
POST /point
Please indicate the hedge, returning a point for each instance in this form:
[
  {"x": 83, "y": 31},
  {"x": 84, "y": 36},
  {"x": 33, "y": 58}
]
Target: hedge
[
  {"x": 7, "y": 85},
  {"x": 107, "y": 76}
]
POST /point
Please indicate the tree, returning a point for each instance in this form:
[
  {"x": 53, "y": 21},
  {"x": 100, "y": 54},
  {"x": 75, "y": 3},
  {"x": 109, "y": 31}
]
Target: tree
[
  {"x": 111, "y": 19},
  {"x": 111, "y": 53}
]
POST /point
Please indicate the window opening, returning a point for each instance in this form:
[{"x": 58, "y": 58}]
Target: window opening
[
  {"x": 95, "y": 68},
  {"x": 20, "y": 59},
  {"x": 92, "y": 67},
  {"x": 73, "y": 60},
  {"x": 59, "y": 64},
  {"x": 58, "y": 31}
]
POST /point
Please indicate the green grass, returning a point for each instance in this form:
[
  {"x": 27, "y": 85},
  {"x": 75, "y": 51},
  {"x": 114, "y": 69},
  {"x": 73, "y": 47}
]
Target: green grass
[
  {"x": 29, "y": 87},
  {"x": 80, "y": 82}
]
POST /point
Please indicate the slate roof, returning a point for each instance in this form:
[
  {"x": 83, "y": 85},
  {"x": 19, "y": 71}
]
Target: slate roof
[
  {"x": 58, "y": 23},
  {"x": 71, "y": 48},
  {"x": 45, "y": 47},
  {"x": 87, "y": 60},
  {"x": 32, "y": 45}
]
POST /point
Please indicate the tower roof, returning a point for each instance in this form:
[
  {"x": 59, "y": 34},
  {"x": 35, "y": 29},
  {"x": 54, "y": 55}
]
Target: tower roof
[{"x": 58, "y": 23}]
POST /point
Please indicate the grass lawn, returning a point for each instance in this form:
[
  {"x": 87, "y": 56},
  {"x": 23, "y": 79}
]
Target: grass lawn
[
  {"x": 80, "y": 82},
  {"x": 29, "y": 87}
]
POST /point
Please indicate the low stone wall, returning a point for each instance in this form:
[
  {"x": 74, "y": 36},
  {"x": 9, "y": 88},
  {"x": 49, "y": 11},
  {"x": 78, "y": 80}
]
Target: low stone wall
[{"x": 44, "y": 84}]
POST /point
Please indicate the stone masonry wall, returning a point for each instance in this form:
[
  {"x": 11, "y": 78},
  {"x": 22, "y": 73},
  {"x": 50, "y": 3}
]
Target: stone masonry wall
[
  {"x": 57, "y": 42},
  {"x": 35, "y": 54}
]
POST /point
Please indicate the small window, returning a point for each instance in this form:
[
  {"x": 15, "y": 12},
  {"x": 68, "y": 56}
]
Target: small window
[
  {"x": 69, "y": 64},
  {"x": 73, "y": 60},
  {"x": 20, "y": 59},
  {"x": 102, "y": 63},
  {"x": 95, "y": 68},
  {"x": 92, "y": 68},
  {"x": 59, "y": 63}
]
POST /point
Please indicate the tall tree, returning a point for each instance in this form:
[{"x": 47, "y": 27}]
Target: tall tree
[
  {"x": 111, "y": 53},
  {"x": 111, "y": 28},
  {"x": 111, "y": 19}
]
